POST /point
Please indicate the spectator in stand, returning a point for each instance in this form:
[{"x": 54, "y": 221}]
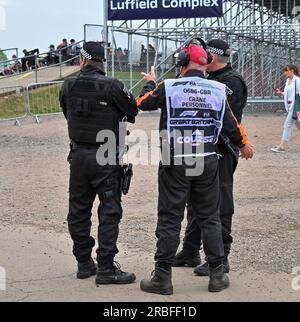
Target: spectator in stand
[
  {"x": 110, "y": 53},
  {"x": 152, "y": 53},
  {"x": 143, "y": 57},
  {"x": 53, "y": 56},
  {"x": 64, "y": 50},
  {"x": 13, "y": 68},
  {"x": 6, "y": 71},
  {"x": 16, "y": 67},
  {"x": 75, "y": 49},
  {"x": 50, "y": 58},
  {"x": 126, "y": 55},
  {"x": 29, "y": 59},
  {"x": 120, "y": 53}
]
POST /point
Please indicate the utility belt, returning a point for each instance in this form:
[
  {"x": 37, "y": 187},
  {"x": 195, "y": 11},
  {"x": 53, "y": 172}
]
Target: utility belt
[
  {"x": 126, "y": 169},
  {"x": 83, "y": 145}
]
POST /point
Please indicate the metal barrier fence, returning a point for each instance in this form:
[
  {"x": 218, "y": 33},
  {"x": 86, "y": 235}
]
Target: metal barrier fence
[
  {"x": 34, "y": 100},
  {"x": 266, "y": 104},
  {"x": 13, "y": 105},
  {"x": 42, "y": 99}
]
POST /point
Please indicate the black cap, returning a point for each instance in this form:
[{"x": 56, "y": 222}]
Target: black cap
[
  {"x": 219, "y": 47},
  {"x": 93, "y": 51}
]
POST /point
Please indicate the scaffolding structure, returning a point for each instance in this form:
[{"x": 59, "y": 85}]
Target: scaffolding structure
[{"x": 264, "y": 36}]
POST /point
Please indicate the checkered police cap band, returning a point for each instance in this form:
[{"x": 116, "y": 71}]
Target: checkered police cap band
[
  {"x": 218, "y": 51},
  {"x": 85, "y": 54}
]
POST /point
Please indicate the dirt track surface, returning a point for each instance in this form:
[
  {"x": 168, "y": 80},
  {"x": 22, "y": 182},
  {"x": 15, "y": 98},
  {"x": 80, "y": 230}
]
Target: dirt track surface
[{"x": 36, "y": 248}]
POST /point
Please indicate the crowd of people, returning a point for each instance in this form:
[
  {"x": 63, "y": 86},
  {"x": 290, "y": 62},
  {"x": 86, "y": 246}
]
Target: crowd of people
[
  {"x": 140, "y": 57},
  {"x": 122, "y": 55},
  {"x": 65, "y": 52}
]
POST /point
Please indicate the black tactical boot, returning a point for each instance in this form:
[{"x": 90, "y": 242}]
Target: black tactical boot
[
  {"x": 86, "y": 269},
  {"x": 160, "y": 282},
  {"x": 218, "y": 280},
  {"x": 226, "y": 266},
  {"x": 188, "y": 259},
  {"x": 113, "y": 275},
  {"x": 203, "y": 270}
]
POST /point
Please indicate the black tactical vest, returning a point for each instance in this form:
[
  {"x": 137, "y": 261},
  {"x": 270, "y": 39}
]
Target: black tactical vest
[{"x": 89, "y": 109}]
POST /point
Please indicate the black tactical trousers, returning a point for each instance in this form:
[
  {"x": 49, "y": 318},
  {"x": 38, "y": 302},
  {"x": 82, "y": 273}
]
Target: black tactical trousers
[
  {"x": 87, "y": 180},
  {"x": 174, "y": 188},
  {"x": 192, "y": 240}
]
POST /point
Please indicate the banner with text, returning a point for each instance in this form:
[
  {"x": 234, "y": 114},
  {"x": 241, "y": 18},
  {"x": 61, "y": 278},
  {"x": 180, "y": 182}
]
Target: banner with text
[{"x": 163, "y": 9}]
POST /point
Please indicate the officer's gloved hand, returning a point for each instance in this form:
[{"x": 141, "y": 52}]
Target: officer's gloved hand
[{"x": 150, "y": 77}]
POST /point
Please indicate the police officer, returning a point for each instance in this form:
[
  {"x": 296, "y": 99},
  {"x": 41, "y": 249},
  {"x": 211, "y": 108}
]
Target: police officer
[
  {"x": 199, "y": 105},
  {"x": 220, "y": 70},
  {"x": 93, "y": 103}
]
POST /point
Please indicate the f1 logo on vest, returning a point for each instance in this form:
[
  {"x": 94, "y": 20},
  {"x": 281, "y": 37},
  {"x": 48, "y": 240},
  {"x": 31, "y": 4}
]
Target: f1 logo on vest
[{"x": 189, "y": 113}]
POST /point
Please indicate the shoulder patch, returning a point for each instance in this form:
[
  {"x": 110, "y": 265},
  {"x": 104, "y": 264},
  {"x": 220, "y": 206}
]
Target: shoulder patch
[
  {"x": 229, "y": 91},
  {"x": 126, "y": 91}
]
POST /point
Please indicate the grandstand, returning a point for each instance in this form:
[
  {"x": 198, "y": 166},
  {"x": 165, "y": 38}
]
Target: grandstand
[
  {"x": 54, "y": 72},
  {"x": 263, "y": 35}
]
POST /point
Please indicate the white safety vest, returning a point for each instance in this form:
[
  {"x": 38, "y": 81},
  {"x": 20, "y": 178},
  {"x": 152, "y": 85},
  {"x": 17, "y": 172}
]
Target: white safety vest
[{"x": 196, "y": 108}]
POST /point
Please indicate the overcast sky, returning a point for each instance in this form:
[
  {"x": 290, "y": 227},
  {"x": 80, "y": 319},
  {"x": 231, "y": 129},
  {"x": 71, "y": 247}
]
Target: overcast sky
[{"x": 37, "y": 24}]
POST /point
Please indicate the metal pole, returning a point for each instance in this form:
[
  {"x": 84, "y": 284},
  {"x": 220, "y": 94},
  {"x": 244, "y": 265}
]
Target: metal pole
[
  {"x": 36, "y": 68},
  {"x": 148, "y": 42},
  {"x": 105, "y": 31},
  {"x": 113, "y": 48},
  {"x": 253, "y": 69},
  {"x": 156, "y": 44},
  {"x": 60, "y": 65},
  {"x": 130, "y": 56}
]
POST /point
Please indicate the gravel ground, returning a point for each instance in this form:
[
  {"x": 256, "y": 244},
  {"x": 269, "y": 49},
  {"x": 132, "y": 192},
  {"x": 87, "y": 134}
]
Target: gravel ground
[{"x": 34, "y": 193}]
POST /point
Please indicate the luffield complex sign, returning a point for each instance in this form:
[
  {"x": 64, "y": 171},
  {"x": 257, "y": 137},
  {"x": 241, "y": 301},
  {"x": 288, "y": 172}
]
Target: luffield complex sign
[{"x": 159, "y": 9}]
